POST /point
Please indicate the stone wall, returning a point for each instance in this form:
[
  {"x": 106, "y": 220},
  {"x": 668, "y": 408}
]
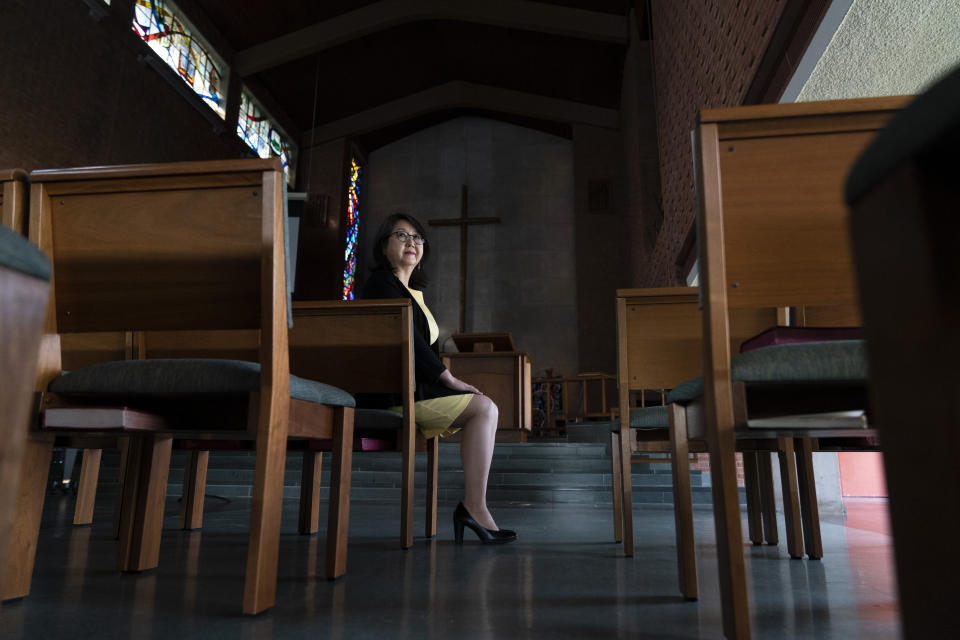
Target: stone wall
[{"x": 521, "y": 272}]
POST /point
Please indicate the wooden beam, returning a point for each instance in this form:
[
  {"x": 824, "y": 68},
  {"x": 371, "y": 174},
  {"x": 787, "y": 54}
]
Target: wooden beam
[
  {"x": 383, "y": 15},
  {"x": 463, "y": 95}
]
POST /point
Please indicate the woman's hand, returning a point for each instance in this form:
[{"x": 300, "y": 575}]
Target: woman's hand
[{"x": 452, "y": 382}]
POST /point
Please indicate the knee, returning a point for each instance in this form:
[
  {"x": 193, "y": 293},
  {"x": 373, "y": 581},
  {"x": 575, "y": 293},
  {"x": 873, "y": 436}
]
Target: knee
[{"x": 489, "y": 409}]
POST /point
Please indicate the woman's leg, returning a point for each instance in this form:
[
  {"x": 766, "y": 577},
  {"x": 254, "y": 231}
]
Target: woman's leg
[{"x": 479, "y": 422}]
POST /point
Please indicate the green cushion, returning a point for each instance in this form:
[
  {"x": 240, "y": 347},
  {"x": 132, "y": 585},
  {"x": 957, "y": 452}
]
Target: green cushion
[
  {"x": 806, "y": 362},
  {"x": 19, "y": 254},
  {"x": 655, "y": 417},
  {"x": 931, "y": 121},
  {"x": 186, "y": 376}
]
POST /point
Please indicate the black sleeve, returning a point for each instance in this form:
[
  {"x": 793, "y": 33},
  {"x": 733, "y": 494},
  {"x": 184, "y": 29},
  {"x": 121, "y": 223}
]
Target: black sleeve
[
  {"x": 427, "y": 365},
  {"x": 383, "y": 284}
]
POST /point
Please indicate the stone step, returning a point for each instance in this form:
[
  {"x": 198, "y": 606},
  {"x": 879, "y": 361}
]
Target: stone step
[
  {"x": 514, "y": 494},
  {"x": 539, "y": 472},
  {"x": 454, "y": 478}
]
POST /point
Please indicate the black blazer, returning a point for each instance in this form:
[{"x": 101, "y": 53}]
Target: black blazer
[{"x": 427, "y": 365}]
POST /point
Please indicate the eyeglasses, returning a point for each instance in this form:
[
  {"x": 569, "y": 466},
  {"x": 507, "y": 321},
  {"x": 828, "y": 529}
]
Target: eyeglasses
[{"x": 403, "y": 236}]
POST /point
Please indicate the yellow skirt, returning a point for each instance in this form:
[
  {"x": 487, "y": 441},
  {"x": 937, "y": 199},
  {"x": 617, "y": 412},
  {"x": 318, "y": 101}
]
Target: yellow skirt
[{"x": 434, "y": 416}]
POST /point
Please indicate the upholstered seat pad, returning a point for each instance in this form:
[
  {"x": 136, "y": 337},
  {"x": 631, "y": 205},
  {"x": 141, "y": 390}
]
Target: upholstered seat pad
[
  {"x": 838, "y": 361},
  {"x": 655, "y": 417},
  {"x": 186, "y": 377},
  {"x": 18, "y": 254}
]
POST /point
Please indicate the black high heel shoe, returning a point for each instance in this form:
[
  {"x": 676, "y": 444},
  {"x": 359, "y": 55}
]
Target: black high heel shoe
[{"x": 462, "y": 517}]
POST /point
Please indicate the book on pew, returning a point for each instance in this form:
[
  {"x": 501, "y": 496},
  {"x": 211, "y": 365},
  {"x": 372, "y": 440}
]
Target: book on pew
[
  {"x": 829, "y": 420},
  {"x": 102, "y": 419}
]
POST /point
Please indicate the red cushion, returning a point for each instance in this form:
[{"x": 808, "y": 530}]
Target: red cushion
[{"x": 791, "y": 335}]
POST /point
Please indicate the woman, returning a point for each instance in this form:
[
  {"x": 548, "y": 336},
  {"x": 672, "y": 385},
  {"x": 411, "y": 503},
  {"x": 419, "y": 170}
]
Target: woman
[{"x": 444, "y": 404}]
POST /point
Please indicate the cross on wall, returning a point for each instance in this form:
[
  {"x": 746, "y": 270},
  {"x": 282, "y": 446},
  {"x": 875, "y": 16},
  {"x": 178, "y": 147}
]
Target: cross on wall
[{"x": 463, "y": 222}]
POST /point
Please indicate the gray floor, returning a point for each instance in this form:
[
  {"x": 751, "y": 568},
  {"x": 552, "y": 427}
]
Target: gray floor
[{"x": 563, "y": 578}]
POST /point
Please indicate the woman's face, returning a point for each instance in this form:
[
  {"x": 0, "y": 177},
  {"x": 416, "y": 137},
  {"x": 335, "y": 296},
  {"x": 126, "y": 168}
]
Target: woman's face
[{"x": 403, "y": 254}]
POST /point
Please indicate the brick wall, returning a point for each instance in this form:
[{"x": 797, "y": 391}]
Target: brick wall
[
  {"x": 72, "y": 93},
  {"x": 705, "y": 54}
]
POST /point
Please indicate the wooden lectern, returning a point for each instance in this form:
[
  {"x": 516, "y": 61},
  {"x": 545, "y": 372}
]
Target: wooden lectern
[{"x": 489, "y": 362}]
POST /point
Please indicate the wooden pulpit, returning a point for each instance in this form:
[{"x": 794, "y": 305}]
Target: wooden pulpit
[{"x": 490, "y": 362}]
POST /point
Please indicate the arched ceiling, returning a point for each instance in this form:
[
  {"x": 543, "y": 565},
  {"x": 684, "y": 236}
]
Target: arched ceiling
[{"x": 389, "y": 67}]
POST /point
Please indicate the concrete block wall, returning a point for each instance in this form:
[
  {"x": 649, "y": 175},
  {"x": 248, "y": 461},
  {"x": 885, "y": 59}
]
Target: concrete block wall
[{"x": 521, "y": 272}]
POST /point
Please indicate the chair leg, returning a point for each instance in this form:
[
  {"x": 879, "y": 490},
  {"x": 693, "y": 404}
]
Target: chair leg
[
  {"x": 615, "y": 481},
  {"x": 791, "y": 504},
  {"x": 751, "y": 481},
  {"x": 22, "y": 546},
  {"x": 407, "y": 452},
  {"x": 338, "y": 517},
  {"x": 626, "y": 484},
  {"x": 309, "y": 522},
  {"x": 809, "y": 510},
  {"x": 124, "y": 445},
  {"x": 87, "y": 486},
  {"x": 144, "y": 495},
  {"x": 433, "y": 470},
  {"x": 768, "y": 501},
  {"x": 683, "y": 503},
  {"x": 260, "y": 581},
  {"x": 727, "y": 521},
  {"x": 194, "y": 487}
]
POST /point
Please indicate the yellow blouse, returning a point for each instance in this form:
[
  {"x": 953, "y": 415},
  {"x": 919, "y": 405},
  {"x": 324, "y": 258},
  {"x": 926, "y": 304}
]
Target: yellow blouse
[{"x": 431, "y": 323}]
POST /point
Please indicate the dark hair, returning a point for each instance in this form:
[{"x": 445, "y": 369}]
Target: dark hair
[{"x": 418, "y": 279}]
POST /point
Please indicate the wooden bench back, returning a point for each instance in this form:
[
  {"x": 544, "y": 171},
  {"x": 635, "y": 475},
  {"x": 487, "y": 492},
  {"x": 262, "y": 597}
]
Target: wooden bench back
[
  {"x": 774, "y": 224},
  {"x": 13, "y": 199},
  {"x": 660, "y": 335},
  {"x": 363, "y": 346},
  {"x": 173, "y": 246}
]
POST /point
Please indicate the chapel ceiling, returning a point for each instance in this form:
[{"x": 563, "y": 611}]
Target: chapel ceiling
[{"x": 380, "y": 69}]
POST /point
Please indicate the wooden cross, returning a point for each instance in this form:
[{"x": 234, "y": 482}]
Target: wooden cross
[{"x": 463, "y": 221}]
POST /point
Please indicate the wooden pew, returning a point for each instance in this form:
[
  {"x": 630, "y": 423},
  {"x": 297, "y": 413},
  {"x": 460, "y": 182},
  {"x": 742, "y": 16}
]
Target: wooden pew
[
  {"x": 24, "y": 290},
  {"x": 363, "y": 346},
  {"x": 772, "y": 233},
  {"x": 366, "y": 346},
  {"x": 13, "y": 199},
  {"x": 182, "y": 246},
  {"x": 659, "y": 340},
  {"x": 904, "y": 204}
]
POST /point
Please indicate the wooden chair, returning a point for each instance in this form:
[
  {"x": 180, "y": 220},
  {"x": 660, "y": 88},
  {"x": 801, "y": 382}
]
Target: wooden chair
[
  {"x": 14, "y": 188},
  {"x": 366, "y": 346},
  {"x": 24, "y": 291},
  {"x": 773, "y": 233},
  {"x": 363, "y": 346},
  {"x": 659, "y": 340},
  {"x": 904, "y": 203},
  {"x": 77, "y": 350},
  {"x": 183, "y": 246}
]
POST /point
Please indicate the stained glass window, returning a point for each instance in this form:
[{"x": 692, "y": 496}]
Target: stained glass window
[
  {"x": 263, "y": 135},
  {"x": 353, "y": 225},
  {"x": 160, "y": 25}
]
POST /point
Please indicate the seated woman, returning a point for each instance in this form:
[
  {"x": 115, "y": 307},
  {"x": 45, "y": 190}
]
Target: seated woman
[{"x": 443, "y": 403}]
